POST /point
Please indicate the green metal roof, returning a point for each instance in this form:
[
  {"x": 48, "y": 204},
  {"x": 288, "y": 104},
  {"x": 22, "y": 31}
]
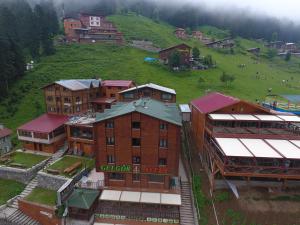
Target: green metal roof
[
  {"x": 168, "y": 112},
  {"x": 82, "y": 198}
]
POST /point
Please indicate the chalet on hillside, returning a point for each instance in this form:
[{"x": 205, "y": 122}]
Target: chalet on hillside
[
  {"x": 5, "y": 141},
  {"x": 197, "y": 34},
  {"x": 150, "y": 90},
  {"x": 45, "y": 133},
  {"x": 183, "y": 49},
  {"x": 289, "y": 47},
  {"x": 70, "y": 97},
  {"x": 180, "y": 33},
  {"x": 275, "y": 44},
  {"x": 225, "y": 43},
  {"x": 254, "y": 51},
  {"x": 91, "y": 28}
]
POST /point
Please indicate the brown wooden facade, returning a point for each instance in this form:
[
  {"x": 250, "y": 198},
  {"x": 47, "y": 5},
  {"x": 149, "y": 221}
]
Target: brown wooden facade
[
  {"x": 146, "y": 92},
  {"x": 138, "y": 141},
  {"x": 64, "y": 101},
  {"x": 206, "y": 131},
  {"x": 183, "y": 49}
]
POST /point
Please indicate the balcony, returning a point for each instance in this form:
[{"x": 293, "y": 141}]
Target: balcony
[{"x": 47, "y": 140}]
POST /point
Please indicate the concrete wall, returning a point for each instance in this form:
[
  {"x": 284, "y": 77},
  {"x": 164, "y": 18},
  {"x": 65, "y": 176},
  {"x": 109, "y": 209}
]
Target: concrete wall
[
  {"x": 21, "y": 175},
  {"x": 48, "y": 181}
]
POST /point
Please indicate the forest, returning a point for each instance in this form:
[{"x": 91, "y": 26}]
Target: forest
[{"x": 26, "y": 33}]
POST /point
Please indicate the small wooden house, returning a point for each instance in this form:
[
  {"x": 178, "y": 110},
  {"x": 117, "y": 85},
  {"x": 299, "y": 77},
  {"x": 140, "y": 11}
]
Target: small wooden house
[
  {"x": 183, "y": 49},
  {"x": 5, "y": 142},
  {"x": 180, "y": 33}
]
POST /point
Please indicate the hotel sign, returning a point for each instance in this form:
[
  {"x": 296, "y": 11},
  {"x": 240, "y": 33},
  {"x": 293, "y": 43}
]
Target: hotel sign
[
  {"x": 158, "y": 170},
  {"x": 116, "y": 168}
]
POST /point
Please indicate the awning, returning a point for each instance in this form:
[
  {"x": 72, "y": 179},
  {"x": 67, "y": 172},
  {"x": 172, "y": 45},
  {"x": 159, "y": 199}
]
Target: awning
[
  {"x": 110, "y": 195},
  {"x": 259, "y": 148},
  {"x": 141, "y": 197},
  {"x": 170, "y": 199},
  {"x": 130, "y": 196},
  {"x": 82, "y": 198},
  {"x": 148, "y": 197},
  {"x": 249, "y": 117},
  {"x": 233, "y": 147}
]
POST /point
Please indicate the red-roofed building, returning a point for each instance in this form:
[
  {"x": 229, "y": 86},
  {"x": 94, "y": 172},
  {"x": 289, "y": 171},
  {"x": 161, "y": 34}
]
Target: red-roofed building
[
  {"x": 217, "y": 103},
  {"x": 111, "y": 88},
  {"x": 45, "y": 133},
  {"x": 5, "y": 143},
  {"x": 240, "y": 140}
]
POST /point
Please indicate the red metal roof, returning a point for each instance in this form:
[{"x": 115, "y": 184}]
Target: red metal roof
[
  {"x": 5, "y": 132},
  {"x": 46, "y": 123},
  {"x": 213, "y": 101},
  {"x": 116, "y": 83}
]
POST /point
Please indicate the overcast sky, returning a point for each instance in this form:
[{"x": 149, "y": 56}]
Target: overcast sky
[{"x": 279, "y": 8}]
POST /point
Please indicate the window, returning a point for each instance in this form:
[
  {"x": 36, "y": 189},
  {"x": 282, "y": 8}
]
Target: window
[
  {"x": 147, "y": 93},
  {"x": 162, "y": 162},
  {"x": 49, "y": 98},
  {"x": 129, "y": 95},
  {"x": 163, "y": 143},
  {"x": 67, "y": 100},
  {"x": 116, "y": 176},
  {"x": 109, "y": 124},
  {"x": 163, "y": 126},
  {"x": 136, "y": 142},
  {"x": 136, "y": 177},
  {"x": 77, "y": 99},
  {"x": 110, "y": 140},
  {"x": 112, "y": 95},
  {"x": 66, "y": 109},
  {"x": 166, "y": 96},
  {"x": 136, "y": 160},
  {"x": 136, "y": 125},
  {"x": 110, "y": 159},
  {"x": 65, "y": 89},
  {"x": 156, "y": 178}
]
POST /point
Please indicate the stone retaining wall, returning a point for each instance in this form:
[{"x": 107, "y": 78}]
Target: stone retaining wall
[
  {"x": 49, "y": 181},
  {"x": 21, "y": 175}
]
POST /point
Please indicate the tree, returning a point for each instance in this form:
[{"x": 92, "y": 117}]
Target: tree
[
  {"x": 196, "y": 53},
  {"x": 288, "y": 56},
  {"x": 226, "y": 78},
  {"x": 274, "y": 36},
  {"x": 174, "y": 59},
  {"x": 208, "y": 60},
  {"x": 271, "y": 53}
]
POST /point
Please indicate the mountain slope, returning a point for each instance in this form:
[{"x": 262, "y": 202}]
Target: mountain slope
[{"x": 122, "y": 62}]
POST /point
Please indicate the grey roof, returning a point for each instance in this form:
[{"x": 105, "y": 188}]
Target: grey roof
[
  {"x": 168, "y": 112},
  {"x": 79, "y": 84},
  {"x": 153, "y": 86}
]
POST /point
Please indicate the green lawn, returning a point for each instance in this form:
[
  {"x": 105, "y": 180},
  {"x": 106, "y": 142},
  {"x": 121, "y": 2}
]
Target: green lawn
[
  {"x": 9, "y": 189},
  {"x": 27, "y": 160},
  {"x": 106, "y": 61},
  {"x": 68, "y": 161},
  {"x": 42, "y": 196}
]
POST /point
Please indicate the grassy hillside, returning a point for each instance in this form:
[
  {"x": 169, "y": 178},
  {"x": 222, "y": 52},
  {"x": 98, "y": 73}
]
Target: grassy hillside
[{"x": 121, "y": 62}]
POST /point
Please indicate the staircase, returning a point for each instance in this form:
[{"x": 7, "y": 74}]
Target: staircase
[
  {"x": 32, "y": 184},
  {"x": 17, "y": 217},
  {"x": 57, "y": 155},
  {"x": 186, "y": 208}
]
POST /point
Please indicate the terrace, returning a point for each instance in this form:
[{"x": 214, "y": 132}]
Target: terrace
[
  {"x": 9, "y": 189},
  {"x": 22, "y": 160},
  {"x": 42, "y": 196},
  {"x": 268, "y": 158},
  {"x": 254, "y": 126},
  {"x": 69, "y": 166}
]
